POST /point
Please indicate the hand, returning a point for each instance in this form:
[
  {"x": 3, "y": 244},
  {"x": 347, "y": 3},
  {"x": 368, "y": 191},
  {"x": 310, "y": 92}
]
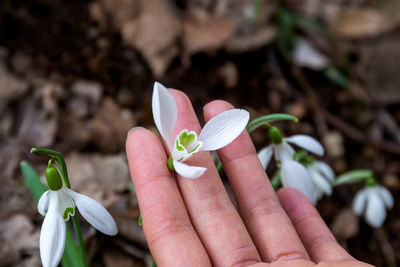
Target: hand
[{"x": 192, "y": 222}]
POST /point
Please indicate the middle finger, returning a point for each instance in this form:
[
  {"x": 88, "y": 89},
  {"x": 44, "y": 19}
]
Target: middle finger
[{"x": 214, "y": 217}]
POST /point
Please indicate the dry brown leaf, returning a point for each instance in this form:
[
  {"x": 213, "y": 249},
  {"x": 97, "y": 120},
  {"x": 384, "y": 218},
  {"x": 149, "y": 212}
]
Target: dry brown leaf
[
  {"x": 11, "y": 87},
  {"x": 247, "y": 42},
  {"x": 110, "y": 126},
  {"x": 18, "y": 230},
  {"x": 100, "y": 177},
  {"x": 345, "y": 225},
  {"x": 206, "y": 33},
  {"x": 367, "y": 22},
  {"x": 115, "y": 257},
  {"x": 378, "y": 66}
]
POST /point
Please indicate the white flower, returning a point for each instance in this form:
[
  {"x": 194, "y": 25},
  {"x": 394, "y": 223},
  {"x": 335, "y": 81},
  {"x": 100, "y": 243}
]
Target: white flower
[
  {"x": 306, "y": 55},
  {"x": 322, "y": 176},
  {"x": 217, "y": 133},
  {"x": 57, "y": 207},
  {"x": 293, "y": 174},
  {"x": 372, "y": 201}
]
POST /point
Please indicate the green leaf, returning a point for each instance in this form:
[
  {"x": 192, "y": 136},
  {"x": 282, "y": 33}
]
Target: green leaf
[
  {"x": 71, "y": 257},
  {"x": 131, "y": 188},
  {"x": 337, "y": 77},
  {"x": 140, "y": 220},
  {"x": 352, "y": 177},
  {"x": 265, "y": 120},
  {"x": 32, "y": 181}
]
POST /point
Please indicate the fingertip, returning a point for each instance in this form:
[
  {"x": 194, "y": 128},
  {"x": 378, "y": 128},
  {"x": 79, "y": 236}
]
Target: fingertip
[
  {"x": 293, "y": 201},
  {"x": 215, "y": 107},
  {"x": 135, "y": 134}
]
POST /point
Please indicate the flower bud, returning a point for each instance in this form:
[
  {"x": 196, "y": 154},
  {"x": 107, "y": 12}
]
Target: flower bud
[
  {"x": 370, "y": 181},
  {"x": 275, "y": 135},
  {"x": 53, "y": 178}
]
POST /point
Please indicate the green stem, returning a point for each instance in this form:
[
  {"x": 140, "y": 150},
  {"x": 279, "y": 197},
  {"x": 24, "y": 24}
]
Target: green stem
[
  {"x": 276, "y": 180},
  {"x": 219, "y": 166},
  {"x": 265, "y": 120},
  {"x": 58, "y": 158}
]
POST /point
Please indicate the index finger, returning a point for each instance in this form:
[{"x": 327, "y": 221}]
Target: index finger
[{"x": 166, "y": 224}]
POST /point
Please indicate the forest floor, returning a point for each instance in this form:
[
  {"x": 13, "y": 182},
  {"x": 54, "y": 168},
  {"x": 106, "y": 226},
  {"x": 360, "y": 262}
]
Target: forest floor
[{"x": 75, "y": 76}]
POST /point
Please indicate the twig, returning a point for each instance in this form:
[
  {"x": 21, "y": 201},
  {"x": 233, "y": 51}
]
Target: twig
[{"x": 357, "y": 135}]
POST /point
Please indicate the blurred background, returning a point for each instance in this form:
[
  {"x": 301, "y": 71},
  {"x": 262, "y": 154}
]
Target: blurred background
[{"x": 75, "y": 76}]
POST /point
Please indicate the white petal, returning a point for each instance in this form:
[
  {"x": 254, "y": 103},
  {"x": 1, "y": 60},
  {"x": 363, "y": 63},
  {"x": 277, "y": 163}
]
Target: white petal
[
  {"x": 164, "y": 112},
  {"x": 52, "y": 234},
  {"x": 321, "y": 182},
  {"x": 306, "y": 55},
  {"x": 94, "y": 213},
  {"x": 265, "y": 155},
  {"x": 223, "y": 129},
  {"x": 66, "y": 206},
  {"x": 43, "y": 203},
  {"x": 295, "y": 175},
  {"x": 283, "y": 150},
  {"x": 325, "y": 169},
  {"x": 359, "y": 201},
  {"x": 375, "y": 213},
  {"x": 306, "y": 142},
  {"x": 188, "y": 171},
  {"x": 386, "y": 196}
]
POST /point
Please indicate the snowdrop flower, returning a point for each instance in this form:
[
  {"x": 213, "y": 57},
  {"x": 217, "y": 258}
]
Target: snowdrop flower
[
  {"x": 217, "y": 133},
  {"x": 322, "y": 175},
  {"x": 57, "y": 205},
  {"x": 293, "y": 174},
  {"x": 372, "y": 201}
]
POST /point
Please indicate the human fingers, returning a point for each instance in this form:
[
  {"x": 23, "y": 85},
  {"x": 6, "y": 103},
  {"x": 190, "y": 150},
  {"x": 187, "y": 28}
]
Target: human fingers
[
  {"x": 166, "y": 224},
  {"x": 213, "y": 215},
  {"x": 268, "y": 224},
  {"x": 316, "y": 236}
]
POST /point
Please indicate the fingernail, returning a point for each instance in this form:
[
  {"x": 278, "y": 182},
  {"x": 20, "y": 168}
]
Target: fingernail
[{"x": 134, "y": 128}]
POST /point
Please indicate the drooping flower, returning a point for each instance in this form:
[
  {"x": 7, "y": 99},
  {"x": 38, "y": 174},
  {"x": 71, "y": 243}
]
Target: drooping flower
[
  {"x": 216, "y": 133},
  {"x": 293, "y": 173},
  {"x": 57, "y": 205},
  {"x": 372, "y": 201},
  {"x": 322, "y": 176}
]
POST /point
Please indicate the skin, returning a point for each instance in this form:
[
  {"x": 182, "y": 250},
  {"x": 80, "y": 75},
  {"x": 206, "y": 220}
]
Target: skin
[{"x": 192, "y": 222}]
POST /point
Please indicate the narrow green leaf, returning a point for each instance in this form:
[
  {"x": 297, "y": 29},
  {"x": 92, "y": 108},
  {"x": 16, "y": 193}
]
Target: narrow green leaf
[
  {"x": 265, "y": 120},
  {"x": 131, "y": 188},
  {"x": 337, "y": 77},
  {"x": 71, "y": 257},
  {"x": 140, "y": 220},
  {"x": 32, "y": 181},
  {"x": 352, "y": 177}
]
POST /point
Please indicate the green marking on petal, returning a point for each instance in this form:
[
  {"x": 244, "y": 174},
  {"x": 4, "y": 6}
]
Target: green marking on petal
[
  {"x": 178, "y": 146},
  {"x": 68, "y": 212},
  {"x": 194, "y": 149},
  {"x": 186, "y": 139}
]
